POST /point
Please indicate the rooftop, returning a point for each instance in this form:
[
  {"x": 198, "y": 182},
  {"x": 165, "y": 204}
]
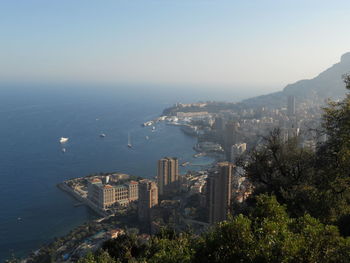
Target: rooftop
[{"x": 96, "y": 180}]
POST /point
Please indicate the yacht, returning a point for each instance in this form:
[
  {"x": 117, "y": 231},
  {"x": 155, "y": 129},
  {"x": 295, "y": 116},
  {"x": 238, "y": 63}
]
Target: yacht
[
  {"x": 129, "y": 141},
  {"x": 63, "y": 140}
]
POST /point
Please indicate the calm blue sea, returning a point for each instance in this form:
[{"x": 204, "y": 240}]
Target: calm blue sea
[{"x": 33, "y": 119}]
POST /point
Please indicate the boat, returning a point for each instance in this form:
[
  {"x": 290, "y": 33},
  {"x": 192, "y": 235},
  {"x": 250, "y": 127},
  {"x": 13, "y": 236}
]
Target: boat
[
  {"x": 147, "y": 138},
  {"x": 129, "y": 141},
  {"x": 190, "y": 130},
  {"x": 19, "y": 218},
  {"x": 63, "y": 140},
  {"x": 153, "y": 128},
  {"x": 64, "y": 150},
  {"x": 197, "y": 155},
  {"x": 147, "y": 123},
  {"x": 102, "y": 135},
  {"x": 185, "y": 163}
]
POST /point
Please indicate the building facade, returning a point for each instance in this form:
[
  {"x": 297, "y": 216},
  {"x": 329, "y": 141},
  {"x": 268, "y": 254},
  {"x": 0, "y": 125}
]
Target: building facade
[
  {"x": 133, "y": 190},
  {"x": 148, "y": 198},
  {"x": 122, "y": 195},
  {"x": 167, "y": 174},
  {"x": 291, "y": 106},
  {"x": 219, "y": 191},
  {"x": 104, "y": 196},
  {"x": 236, "y": 150}
]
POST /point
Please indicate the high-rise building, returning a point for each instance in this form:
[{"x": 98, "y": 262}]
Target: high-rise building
[
  {"x": 219, "y": 191},
  {"x": 230, "y": 133},
  {"x": 291, "y": 106},
  {"x": 219, "y": 124},
  {"x": 148, "y": 198},
  {"x": 167, "y": 174},
  {"x": 236, "y": 150}
]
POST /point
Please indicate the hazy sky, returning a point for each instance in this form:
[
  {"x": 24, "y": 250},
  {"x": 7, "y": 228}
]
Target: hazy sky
[{"x": 261, "y": 43}]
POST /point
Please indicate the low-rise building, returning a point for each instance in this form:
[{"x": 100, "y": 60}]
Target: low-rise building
[
  {"x": 122, "y": 195},
  {"x": 133, "y": 190},
  {"x": 104, "y": 196}
]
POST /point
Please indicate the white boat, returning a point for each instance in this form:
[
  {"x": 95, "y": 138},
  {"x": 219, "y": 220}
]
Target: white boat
[
  {"x": 147, "y": 138},
  {"x": 102, "y": 135},
  {"x": 64, "y": 150},
  {"x": 147, "y": 123},
  {"x": 63, "y": 140},
  {"x": 129, "y": 141}
]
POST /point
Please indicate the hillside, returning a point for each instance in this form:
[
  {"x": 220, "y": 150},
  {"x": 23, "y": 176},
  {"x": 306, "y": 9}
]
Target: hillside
[{"x": 328, "y": 84}]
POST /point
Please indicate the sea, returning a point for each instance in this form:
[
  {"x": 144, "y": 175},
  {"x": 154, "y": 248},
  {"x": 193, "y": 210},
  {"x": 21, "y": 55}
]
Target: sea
[{"x": 32, "y": 119}]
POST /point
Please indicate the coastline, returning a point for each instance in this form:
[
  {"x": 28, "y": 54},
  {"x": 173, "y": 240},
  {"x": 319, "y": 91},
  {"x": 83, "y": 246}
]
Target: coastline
[{"x": 64, "y": 187}]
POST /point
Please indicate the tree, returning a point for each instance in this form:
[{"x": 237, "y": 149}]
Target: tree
[
  {"x": 307, "y": 182},
  {"x": 268, "y": 234},
  {"x": 100, "y": 257},
  {"x": 333, "y": 157},
  {"x": 285, "y": 170}
]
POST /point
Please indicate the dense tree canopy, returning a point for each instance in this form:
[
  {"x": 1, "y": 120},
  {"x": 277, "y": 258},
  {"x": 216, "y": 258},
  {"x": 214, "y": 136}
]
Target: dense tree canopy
[
  {"x": 307, "y": 181},
  {"x": 268, "y": 234}
]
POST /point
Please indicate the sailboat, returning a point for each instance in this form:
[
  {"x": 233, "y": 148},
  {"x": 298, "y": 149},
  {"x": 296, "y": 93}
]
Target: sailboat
[{"x": 129, "y": 141}]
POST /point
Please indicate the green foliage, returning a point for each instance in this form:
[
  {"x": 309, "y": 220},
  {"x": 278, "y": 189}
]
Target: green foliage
[
  {"x": 171, "y": 250},
  {"x": 318, "y": 182},
  {"x": 268, "y": 234},
  {"x": 101, "y": 257},
  {"x": 287, "y": 171},
  {"x": 125, "y": 248},
  {"x": 333, "y": 157}
]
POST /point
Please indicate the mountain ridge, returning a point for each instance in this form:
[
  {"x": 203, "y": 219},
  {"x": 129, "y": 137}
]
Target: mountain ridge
[{"x": 327, "y": 84}]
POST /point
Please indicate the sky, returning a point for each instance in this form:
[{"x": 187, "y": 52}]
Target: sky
[{"x": 262, "y": 44}]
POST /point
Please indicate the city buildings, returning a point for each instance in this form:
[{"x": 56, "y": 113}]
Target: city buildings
[
  {"x": 219, "y": 191},
  {"x": 104, "y": 196},
  {"x": 148, "y": 198},
  {"x": 133, "y": 190},
  {"x": 291, "y": 106},
  {"x": 231, "y": 133},
  {"x": 236, "y": 150},
  {"x": 167, "y": 174},
  {"x": 219, "y": 124},
  {"x": 121, "y": 195}
]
